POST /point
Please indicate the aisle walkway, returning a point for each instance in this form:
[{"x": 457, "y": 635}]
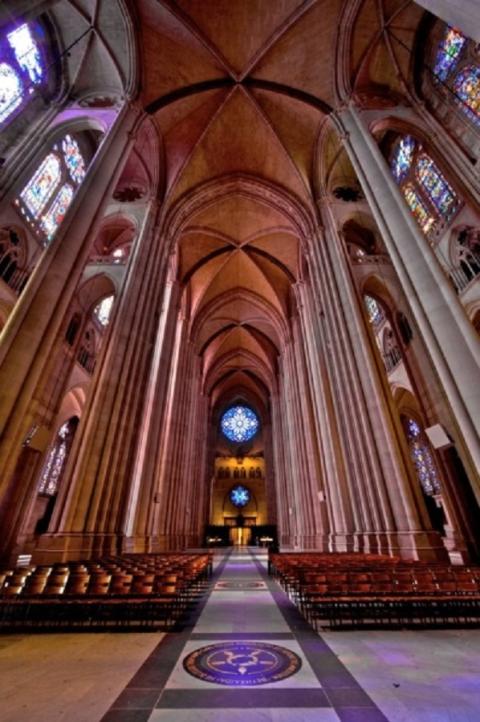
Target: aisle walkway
[{"x": 247, "y": 648}]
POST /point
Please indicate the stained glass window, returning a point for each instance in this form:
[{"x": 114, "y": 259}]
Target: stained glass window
[
  {"x": 438, "y": 190},
  {"x": 20, "y": 70},
  {"x": 57, "y": 457},
  {"x": 43, "y": 208},
  {"x": 239, "y": 423},
  {"x": 11, "y": 91},
  {"x": 402, "y": 157},
  {"x": 448, "y": 53},
  {"x": 73, "y": 159},
  {"x": 240, "y": 496},
  {"x": 26, "y": 52},
  {"x": 103, "y": 310},
  {"x": 56, "y": 213},
  {"x": 427, "y": 192},
  {"x": 422, "y": 458},
  {"x": 424, "y": 218},
  {"x": 467, "y": 88},
  {"x": 40, "y": 188},
  {"x": 374, "y": 310}
]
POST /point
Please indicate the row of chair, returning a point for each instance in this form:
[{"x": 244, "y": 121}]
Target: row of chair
[
  {"x": 360, "y": 590},
  {"x": 118, "y": 592}
]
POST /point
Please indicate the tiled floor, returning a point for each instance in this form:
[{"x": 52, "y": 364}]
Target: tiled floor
[
  {"x": 369, "y": 676},
  {"x": 320, "y": 690}
]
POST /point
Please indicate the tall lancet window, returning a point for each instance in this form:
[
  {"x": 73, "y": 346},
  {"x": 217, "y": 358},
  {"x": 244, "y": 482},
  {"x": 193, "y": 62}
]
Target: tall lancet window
[
  {"x": 22, "y": 69},
  {"x": 429, "y": 196},
  {"x": 456, "y": 69},
  {"x": 103, "y": 310},
  {"x": 375, "y": 313},
  {"x": 56, "y": 460},
  {"x": 422, "y": 457},
  {"x": 45, "y": 199}
]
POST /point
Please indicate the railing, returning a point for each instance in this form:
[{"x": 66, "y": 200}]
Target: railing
[
  {"x": 462, "y": 275},
  {"x": 86, "y": 360},
  {"x": 16, "y": 279},
  {"x": 391, "y": 359}
]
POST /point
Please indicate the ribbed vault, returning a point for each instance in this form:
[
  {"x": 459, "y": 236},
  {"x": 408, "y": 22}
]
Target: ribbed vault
[{"x": 244, "y": 89}]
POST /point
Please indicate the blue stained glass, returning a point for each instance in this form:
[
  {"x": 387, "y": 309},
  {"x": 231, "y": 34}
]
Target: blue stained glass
[
  {"x": 413, "y": 429},
  {"x": 402, "y": 157},
  {"x": 467, "y": 88},
  {"x": 239, "y": 423},
  {"x": 448, "y": 53},
  {"x": 374, "y": 310},
  {"x": 11, "y": 91},
  {"x": 435, "y": 185},
  {"x": 73, "y": 159},
  {"x": 422, "y": 459},
  {"x": 26, "y": 52},
  {"x": 40, "y": 188},
  {"x": 240, "y": 496}
]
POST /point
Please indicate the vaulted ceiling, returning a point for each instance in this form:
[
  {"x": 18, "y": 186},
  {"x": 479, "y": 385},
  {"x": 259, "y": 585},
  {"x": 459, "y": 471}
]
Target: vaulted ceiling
[{"x": 241, "y": 92}]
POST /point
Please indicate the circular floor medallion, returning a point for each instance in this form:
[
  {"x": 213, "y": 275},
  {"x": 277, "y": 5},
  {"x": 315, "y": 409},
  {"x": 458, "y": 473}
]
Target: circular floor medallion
[{"x": 242, "y": 664}]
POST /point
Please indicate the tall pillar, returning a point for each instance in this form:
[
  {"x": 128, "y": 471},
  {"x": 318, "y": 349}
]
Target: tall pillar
[
  {"x": 385, "y": 500},
  {"x": 144, "y": 493},
  {"x": 462, "y": 14},
  {"x": 449, "y": 335},
  {"x": 334, "y": 498},
  {"x": 33, "y": 326},
  {"x": 312, "y": 473},
  {"x": 91, "y": 512}
]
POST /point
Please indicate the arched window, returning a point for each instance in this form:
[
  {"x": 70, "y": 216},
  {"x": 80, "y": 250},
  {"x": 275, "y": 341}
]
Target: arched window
[
  {"x": 46, "y": 197},
  {"x": 422, "y": 456},
  {"x": 467, "y": 89},
  {"x": 22, "y": 69},
  {"x": 55, "y": 463},
  {"x": 428, "y": 194},
  {"x": 448, "y": 53},
  {"x": 103, "y": 310},
  {"x": 375, "y": 313},
  {"x": 455, "y": 72}
]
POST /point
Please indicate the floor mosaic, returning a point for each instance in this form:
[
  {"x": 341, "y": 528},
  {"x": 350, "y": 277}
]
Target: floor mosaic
[{"x": 247, "y": 647}]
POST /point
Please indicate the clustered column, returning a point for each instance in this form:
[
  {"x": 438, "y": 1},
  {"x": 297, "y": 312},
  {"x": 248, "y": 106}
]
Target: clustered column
[{"x": 441, "y": 319}]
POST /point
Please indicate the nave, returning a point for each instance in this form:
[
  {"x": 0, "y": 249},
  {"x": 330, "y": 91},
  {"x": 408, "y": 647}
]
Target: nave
[{"x": 245, "y": 650}]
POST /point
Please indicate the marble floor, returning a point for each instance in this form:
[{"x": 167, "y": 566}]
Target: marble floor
[{"x": 245, "y": 653}]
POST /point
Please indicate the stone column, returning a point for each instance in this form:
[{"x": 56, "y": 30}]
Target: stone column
[
  {"x": 312, "y": 476},
  {"x": 32, "y": 328},
  {"x": 285, "y": 487},
  {"x": 442, "y": 321},
  {"x": 462, "y": 14},
  {"x": 169, "y": 454},
  {"x": 181, "y": 475},
  {"x": 385, "y": 500},
  {"x": 90, "y": 516},
  {"x": 143, "y": 492}
]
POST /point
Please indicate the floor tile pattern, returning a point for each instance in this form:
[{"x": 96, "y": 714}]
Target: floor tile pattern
[{"x": 244, "y": 606}]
